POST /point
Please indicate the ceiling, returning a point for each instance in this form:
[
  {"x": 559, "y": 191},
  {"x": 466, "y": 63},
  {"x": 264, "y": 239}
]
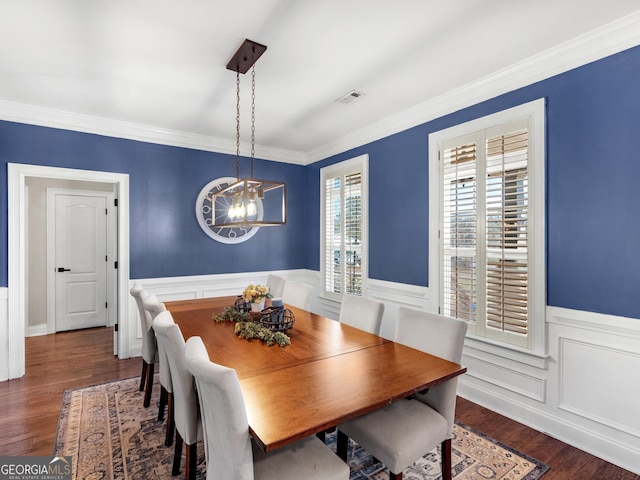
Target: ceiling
[{"x": 159, "y": 65}]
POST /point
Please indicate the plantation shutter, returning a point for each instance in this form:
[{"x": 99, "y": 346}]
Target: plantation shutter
[
  {"x": 460, "y": 231},
  {"x": 507, "y": 232},
  {"x": 343, "y": 233},
  {"x": 485, "y": 229}
]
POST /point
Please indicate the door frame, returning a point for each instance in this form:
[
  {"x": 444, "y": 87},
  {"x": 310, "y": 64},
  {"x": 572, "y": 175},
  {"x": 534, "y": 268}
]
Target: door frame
[
  {"x": 17, "y": 253},
  {"x": 112, "y": 228}
]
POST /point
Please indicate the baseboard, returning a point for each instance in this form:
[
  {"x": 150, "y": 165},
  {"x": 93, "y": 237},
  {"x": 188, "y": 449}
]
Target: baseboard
[{"x": 37, "y": 330}]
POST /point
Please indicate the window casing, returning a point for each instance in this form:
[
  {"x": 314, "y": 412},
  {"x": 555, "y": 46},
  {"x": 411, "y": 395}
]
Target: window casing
[
  {"x": 344, "y": 227},
  {"x": 489, "y": 202}
]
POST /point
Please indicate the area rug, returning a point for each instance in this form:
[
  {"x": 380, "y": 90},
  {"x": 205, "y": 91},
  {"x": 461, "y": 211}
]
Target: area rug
[{"x": 110, "y": 435}]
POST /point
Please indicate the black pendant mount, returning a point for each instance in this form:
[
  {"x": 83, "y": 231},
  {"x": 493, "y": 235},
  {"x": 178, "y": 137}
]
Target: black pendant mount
[{"x": 248, "y": 53}]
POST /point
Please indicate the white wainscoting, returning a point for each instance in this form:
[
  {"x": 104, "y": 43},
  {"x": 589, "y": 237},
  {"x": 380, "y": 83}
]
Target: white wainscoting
[
  {"x": 393, "y": 295},
  {"x": 4, "y": 335},
  {"x": 585, "y": 392},
  {"x": 203, "y": 286}
]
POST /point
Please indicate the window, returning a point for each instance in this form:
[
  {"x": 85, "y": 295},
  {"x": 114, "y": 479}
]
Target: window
[
  {"x": 343, "y": 229},
  {"x": 491, "y": 226}
]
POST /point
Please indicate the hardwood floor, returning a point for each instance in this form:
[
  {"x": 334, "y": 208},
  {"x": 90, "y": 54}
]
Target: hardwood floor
[
  {"x": 54, "y": 363},
  {"x": 31, "y": 405}
]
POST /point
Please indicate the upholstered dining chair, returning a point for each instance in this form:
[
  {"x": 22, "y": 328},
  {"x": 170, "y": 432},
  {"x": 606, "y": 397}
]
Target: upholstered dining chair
[
  {"x": 361, "y": 312},
  {"x": 229, "y": 449},
  {"x": 297, "y": 294},
  {"x": 400, "y": 433},
  {"x": 185, "y": 400},
  {"x": 153, "y": 307},
  {"x": 276, "y": 285},
  {"x": 149, "y": 347}
]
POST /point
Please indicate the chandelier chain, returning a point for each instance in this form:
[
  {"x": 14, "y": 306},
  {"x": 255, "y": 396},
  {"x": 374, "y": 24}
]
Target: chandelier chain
[
  {"x": 238, "y": 125},
  {"x": 253, "y": 116}
]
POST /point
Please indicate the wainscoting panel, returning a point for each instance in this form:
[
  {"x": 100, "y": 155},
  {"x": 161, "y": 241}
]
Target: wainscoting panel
[
  {"x": 584, "y": 393},
  {"x": 594, "y": 381},
  {"x": 504, "y": 374}
]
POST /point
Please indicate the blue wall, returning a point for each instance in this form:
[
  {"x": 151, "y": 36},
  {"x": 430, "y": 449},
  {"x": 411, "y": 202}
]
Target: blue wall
[
  {"x": 165, "y": 238},
  {"x": 593, "y": 193},
  {"x": 592, "y": 188}
]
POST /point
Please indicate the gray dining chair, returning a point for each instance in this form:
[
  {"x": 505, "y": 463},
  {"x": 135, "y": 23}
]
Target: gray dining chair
[
  {"x": 185, "y": 399},
  {"x": 297, "y": 294},
  {"x": 276, "y": 285},
  {"x": 149, "y": 348},
  {"x": 153, "y": 307},
  {"x": 362, "y": 313},
  {"x": 230, "y": 451},
  {"x": 402, "y": 432}
]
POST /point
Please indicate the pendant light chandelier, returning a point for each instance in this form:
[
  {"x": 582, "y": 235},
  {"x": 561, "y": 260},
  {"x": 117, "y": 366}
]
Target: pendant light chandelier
[{"x": 251, "y": 202}]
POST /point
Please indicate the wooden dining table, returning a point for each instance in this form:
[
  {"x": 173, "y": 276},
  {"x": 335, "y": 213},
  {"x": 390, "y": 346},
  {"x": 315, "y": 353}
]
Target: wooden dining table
[{"x": 330, "y": 373}]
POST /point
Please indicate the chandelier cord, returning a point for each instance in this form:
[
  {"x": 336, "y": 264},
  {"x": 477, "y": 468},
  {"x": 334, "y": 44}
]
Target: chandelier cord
[
  {"x": 253, "y": 116},
  {"x": 238, "y": 124}
]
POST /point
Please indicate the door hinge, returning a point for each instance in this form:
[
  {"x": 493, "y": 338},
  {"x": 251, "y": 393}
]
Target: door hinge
[
  {"x": 106, "y": 304},
  {"x": 106, "y": 211},
  {"x": 115, "y": 327},
  {"x": 106, "y": 258},
  {"x": 115, "y": 202},
  {"x": 115, "y": 265}
]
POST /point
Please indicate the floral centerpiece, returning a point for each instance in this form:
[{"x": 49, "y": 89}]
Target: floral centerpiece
[{"x": 256, "y": 295}]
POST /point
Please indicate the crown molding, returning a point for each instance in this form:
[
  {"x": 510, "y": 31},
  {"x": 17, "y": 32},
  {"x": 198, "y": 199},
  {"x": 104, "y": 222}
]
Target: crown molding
[
  {"x": 595, "y": 45},
  {"x": 49, "y": 117}
]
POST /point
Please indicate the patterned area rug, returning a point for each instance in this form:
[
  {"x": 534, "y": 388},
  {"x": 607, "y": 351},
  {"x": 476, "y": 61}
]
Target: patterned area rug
[{"x": 110, "y": 435}]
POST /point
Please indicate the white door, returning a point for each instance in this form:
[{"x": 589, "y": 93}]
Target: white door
[{"x": 80, "y": 261}]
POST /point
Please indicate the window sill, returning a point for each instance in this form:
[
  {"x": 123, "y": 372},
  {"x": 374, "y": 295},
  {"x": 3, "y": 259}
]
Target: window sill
[{"x": 504, "y": 350}]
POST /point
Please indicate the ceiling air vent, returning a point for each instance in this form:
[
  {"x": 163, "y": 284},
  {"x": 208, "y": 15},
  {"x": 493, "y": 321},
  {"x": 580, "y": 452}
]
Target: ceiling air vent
[{"x": 350, "y": 97}]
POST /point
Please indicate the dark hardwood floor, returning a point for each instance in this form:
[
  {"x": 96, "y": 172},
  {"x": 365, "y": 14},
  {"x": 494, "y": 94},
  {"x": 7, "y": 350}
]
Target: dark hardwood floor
[{"x": 30, "y": 405}]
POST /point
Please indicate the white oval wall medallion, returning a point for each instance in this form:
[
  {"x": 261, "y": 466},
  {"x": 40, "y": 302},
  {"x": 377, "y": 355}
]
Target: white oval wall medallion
[{"x": 210, "y": 209}]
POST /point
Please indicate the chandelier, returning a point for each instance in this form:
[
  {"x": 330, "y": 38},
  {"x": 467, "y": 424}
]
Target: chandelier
[{"x": 250, "y": 202}]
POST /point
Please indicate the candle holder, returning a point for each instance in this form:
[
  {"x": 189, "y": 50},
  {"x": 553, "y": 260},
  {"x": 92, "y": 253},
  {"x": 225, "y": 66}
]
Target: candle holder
[{"x": 277, "y": 319}]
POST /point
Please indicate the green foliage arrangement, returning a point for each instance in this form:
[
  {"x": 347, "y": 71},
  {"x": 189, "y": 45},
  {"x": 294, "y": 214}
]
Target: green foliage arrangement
[
  {"x": 247, "y": 329},
  {"x": 251, "y": 330},
  {"x": 231, "y": 314}
]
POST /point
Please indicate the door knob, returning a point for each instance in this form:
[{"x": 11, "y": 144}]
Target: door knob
[{"x": 60, "y": 269}]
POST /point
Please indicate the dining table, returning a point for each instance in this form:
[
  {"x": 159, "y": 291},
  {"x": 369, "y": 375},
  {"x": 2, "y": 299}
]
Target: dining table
[{"x": 330, "y": 373}]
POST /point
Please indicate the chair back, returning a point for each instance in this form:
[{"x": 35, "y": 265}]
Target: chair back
[
  {"x": 362, "y": 312},
  {"x": 297, "y": 294},
  {"x": 148, "y": 337},
  {"x": 185, "y": 400},
  {"x": 440, "y": 336},
  {"x": 153, "y": 307},
  {"x": 224, "y": 416},
  {"x": 276, "y": 285}
]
